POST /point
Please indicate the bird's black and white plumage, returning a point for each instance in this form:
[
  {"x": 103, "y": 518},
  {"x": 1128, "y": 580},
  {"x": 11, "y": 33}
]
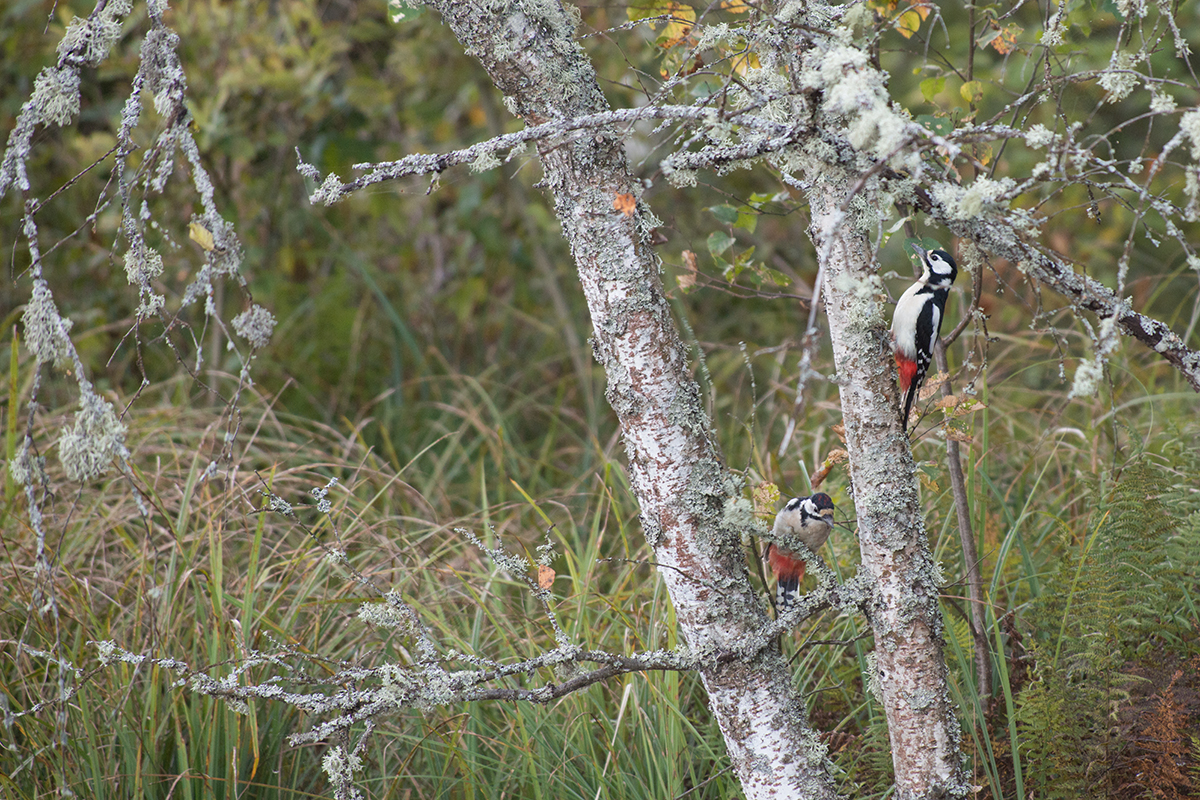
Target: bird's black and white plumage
[
  {"x": 917, "y": 321},
  {"x": 810, "y": 519}
]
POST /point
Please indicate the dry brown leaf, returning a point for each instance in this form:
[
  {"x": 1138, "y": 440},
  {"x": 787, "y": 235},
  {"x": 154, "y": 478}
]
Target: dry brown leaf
[
  {"x": 625, "y": 203},
  {"x": 688, "y": 279},
  {"x": 545, "y": 577},
  {"x": 955, "y": 435},
  {"x": 1006, "y": 41},
  {"x": 949, "y": 401},
  {"x": 836, "y": 456},
  {"x": 766, "y": 497}
]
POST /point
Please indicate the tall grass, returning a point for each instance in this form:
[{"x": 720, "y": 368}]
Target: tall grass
[{"x": 210, "y": 574}]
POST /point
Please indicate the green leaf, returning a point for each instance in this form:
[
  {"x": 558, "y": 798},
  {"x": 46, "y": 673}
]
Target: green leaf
[
  {"x": 719, "y": 242},
  {"x": 987, "y": 37},
  {"x": 648, "y": 8},
  {"x": 725, "y": 213},
  {"x": 930, "y": 88},
  {"x": 747, "y": 219},
  {"x": 772, "y": 276},
  {"x": 942, "y": 126}
]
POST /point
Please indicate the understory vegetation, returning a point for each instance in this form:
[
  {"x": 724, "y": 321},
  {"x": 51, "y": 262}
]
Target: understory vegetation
[{"x": 430, "y": 376}]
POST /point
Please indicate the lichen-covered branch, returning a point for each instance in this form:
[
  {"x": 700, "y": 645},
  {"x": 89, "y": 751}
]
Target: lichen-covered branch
[{"x": 999, "y": 238}]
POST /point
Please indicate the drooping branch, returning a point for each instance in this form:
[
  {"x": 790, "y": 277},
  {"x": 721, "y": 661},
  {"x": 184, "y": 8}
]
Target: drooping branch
[{"x": 998, "y": 237}]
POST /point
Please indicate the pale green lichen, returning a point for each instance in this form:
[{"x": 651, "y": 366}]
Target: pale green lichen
[
  {"x": 871, "y": 668},
  {"x": 106, "y": 652},
  {"x": 1162, "y": 103},
  {"x": 679, "y": 178},
  {"x": 1040, "y": 136},
  {"x": 715, "y": 35},
  {"x": 22, "y": 465},
  {"x": 90, "y": 38},
  {"x": 56, "y": 93},
  {"x": 971, "y": 201},
  {"x": 255, "y": 325},
  {"x": 47, "y": 331},
  {"x": 96, "y": 438},
  {"x": 1119, "y": 80},
  {"x": 1191, "y": 190},
  {"x": 485, "y": 161},
  {"x": 1132, "y": 8},
  {"x": 1052, "y": 36},
  {"x": 142, "y": 264},
  {"x": 383, "y": 615},
  {"x": 1088, "y": 376},
  {"x": 329, "y": 193},
  {"x": 340, "y": 767},
  {"x": 1189, "y": 126}
]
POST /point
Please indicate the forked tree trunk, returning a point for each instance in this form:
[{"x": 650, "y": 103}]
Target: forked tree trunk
[{"x": 691, "y": 507}]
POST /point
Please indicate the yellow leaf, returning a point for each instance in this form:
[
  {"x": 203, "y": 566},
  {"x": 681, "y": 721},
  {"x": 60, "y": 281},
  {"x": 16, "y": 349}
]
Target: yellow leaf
[
  {"x": 745, "y": 63},
  {"x": 909, "y": 23},
  {"x": 736, "y": 6},
  {"x": 201, "y": 236},
  {"x": 682, "y": 19},
  {"x": 921, "y": 7},
  {"x": 972, "y": 91}
]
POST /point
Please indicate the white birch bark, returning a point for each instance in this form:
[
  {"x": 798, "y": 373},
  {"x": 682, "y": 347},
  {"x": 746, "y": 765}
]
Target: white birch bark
[{"x": 691, "y": 507}]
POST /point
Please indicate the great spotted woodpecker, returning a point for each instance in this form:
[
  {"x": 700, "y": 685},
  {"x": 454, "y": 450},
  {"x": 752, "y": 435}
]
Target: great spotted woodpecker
[
  {"x": 917, "y": 321},
  {"x": 809, "y": 519}
]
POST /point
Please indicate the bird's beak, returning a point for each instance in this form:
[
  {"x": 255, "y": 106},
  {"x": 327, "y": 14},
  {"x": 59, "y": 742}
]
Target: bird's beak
[{"x": 920, "y": 251}]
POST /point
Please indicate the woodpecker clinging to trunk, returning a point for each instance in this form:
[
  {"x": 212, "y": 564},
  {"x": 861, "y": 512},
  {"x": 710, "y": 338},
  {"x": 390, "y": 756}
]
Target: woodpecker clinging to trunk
[
  {"x": 917, "y": 321},
  {"x": 810, "y": 519}
]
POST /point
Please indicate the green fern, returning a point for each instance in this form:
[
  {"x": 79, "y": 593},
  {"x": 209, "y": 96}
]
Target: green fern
[{"x": 1121, "y": 590}]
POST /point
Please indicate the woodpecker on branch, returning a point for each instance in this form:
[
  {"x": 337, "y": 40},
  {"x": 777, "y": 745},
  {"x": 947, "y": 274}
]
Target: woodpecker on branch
[
  {"x": 917, "y": 321},
  {"x": 810, "y": 519}
]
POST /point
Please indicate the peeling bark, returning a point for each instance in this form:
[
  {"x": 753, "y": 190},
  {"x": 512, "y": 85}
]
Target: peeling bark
[{"x": 691, "y": 507}]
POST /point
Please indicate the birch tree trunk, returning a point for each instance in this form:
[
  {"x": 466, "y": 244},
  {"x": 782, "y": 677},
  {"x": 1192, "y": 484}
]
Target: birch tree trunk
[
  {"x": 692, "y": 511},
  {"x": 905, "y": 616}
]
